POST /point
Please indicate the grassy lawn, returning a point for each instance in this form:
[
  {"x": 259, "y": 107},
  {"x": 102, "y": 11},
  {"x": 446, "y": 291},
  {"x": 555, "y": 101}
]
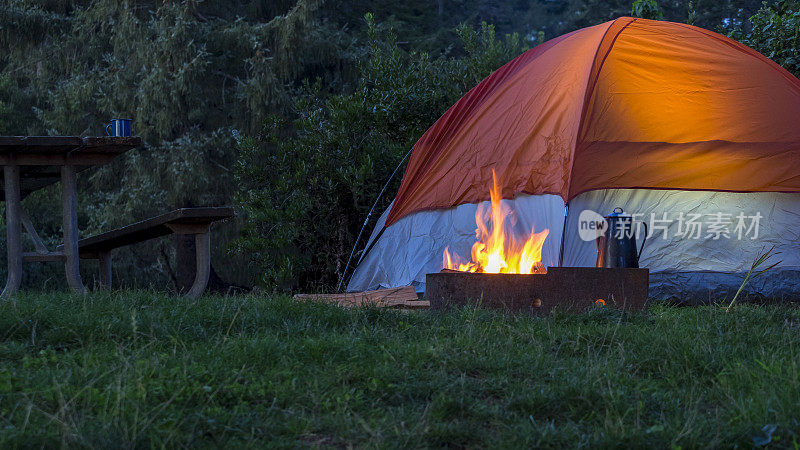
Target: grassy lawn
[{"x": 142, "y": 369}]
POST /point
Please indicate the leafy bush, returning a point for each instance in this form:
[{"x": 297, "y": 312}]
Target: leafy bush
[
  {"x": 307, "y": 185},
  {"x": 647, "y": 9},
  {"x": 775, "y": 32}
]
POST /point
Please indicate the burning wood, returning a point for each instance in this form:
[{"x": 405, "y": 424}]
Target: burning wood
[{"x": 497, "y": 250}]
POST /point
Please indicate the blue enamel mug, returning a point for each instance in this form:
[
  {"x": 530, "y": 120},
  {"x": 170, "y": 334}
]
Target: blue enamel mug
[{"x": 119, "y": 127}]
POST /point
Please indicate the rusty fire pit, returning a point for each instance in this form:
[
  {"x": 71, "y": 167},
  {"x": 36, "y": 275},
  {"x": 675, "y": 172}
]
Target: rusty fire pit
[{"x": 568, "y": 288}]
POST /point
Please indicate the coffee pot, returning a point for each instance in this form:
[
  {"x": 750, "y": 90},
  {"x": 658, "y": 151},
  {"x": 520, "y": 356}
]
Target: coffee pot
[{"x": 616, "y": 247}]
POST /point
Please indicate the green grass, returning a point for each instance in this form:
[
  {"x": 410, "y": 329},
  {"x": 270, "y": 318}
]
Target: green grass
[{"x": 141, "y": 369}]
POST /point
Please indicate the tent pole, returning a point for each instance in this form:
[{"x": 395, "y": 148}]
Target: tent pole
[
  {"x": 366, "y": 221},
  {"x": 563, "y": 236}
]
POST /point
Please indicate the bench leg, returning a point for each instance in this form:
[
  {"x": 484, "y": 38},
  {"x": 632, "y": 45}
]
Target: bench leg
[
  {"x": 69, "y": 206},
  {"x": 104, "y": 260},
  {"x": 13, "y": 232},
  {"x": 203, "y": 264}
]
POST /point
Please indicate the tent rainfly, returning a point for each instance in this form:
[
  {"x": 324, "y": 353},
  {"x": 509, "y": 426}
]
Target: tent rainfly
[{"x": 695, "y": 133}]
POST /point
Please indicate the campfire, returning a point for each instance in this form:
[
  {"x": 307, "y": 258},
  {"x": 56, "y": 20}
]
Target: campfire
[
  {"x": 495, "y": 276},
  {"x": 497, "y": 248}
]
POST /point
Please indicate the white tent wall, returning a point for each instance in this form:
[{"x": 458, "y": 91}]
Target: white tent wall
[
  {"x": 687, "y": 269},
  {"x": 700, "y": 269},
  {"x": 414, "y": 245}
]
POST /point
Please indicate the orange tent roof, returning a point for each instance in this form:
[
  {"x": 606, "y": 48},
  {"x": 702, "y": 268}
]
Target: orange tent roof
[{"x": 630, "y": 103}]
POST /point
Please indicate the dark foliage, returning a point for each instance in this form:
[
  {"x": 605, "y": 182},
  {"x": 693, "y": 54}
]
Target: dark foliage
[
  {"x": 775, "y": 32},
  {"x": 307, "y": 185},
  {"x": 325, "y": 105},
  {"x": 186, "y": 72}
]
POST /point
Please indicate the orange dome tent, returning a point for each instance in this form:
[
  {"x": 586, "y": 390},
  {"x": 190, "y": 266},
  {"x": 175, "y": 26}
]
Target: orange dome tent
[
  {"x": 633, "y": 113},
  {"x": 631, "y": 103}
]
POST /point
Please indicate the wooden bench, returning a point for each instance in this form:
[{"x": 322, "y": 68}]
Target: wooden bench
[{"x": 196, "y": 221}]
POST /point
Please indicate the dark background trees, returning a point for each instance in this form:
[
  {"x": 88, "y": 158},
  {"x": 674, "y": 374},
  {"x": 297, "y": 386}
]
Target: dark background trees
[
  {"x": 188, "y": 74},
  {"x": 297, "y": 109}
]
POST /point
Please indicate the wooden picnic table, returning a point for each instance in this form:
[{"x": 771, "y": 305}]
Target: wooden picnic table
[{"x": 33, "y": 162}]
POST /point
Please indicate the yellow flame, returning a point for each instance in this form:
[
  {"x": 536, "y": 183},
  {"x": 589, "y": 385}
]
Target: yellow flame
[{"x": 495, "y": 251}]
